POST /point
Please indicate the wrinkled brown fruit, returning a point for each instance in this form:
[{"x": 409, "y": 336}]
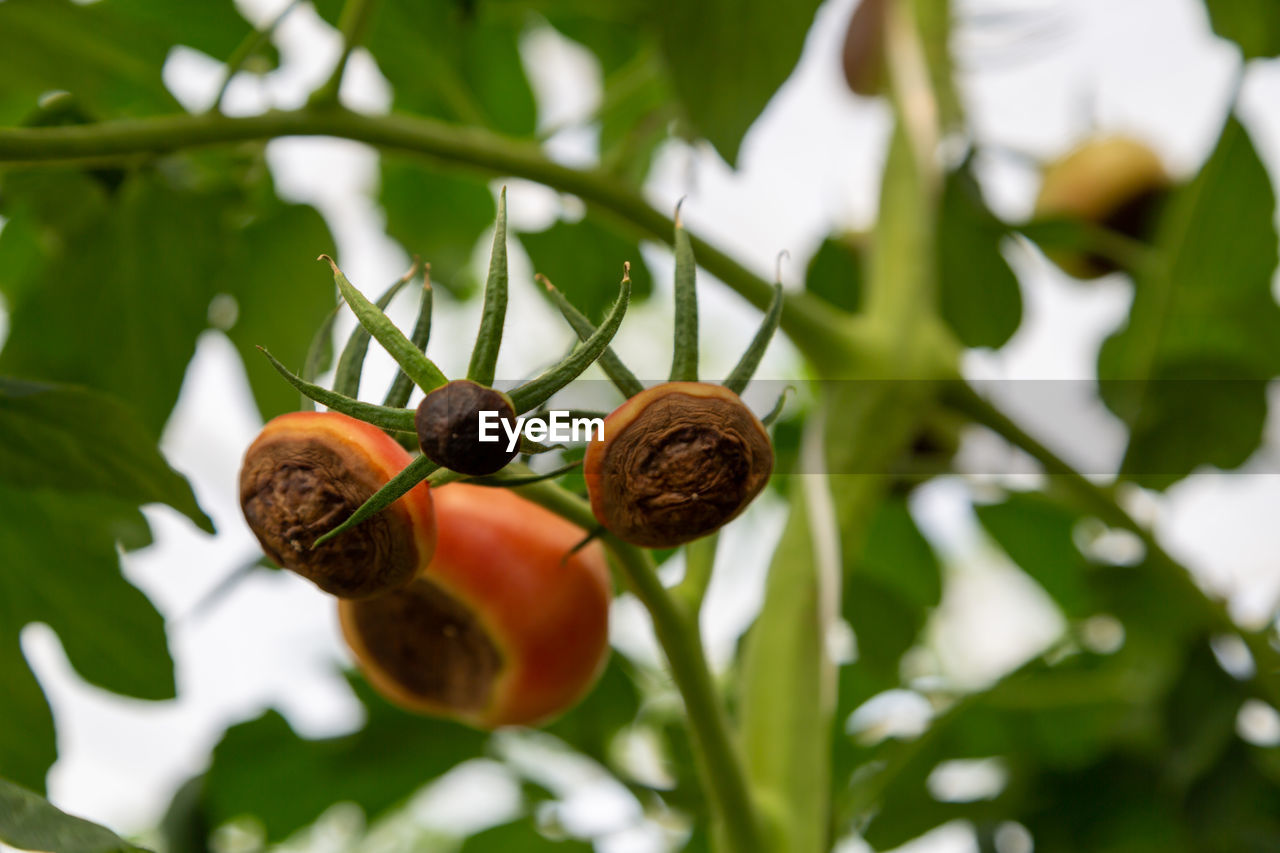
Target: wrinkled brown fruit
[
  {"x": 678, "y": 462},
  {"x": 305, "y": 474},
  {"x": 448, "y": 424}
]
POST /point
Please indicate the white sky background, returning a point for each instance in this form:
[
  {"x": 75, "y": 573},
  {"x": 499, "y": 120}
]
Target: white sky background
[{"x": 1150, "y": 68}]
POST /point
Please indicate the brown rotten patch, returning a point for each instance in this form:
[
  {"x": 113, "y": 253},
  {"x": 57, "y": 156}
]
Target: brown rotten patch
[
  {"x": 423, "y": 647},
  {"x": 304, "y": 474},
  {"x": 677, "y": 462}
]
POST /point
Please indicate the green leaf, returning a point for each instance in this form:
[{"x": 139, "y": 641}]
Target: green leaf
[
  {"x": 593, "y": 723},
  {"x": 521, "y": 835},
  {"x": 1037, "y": 534},
  {"x": 728, "y": 58},
  {"x": 61, "y": 568},
  {"x": 456, "y": 61},
  {"x": 30, "y": 822},
  {"x": 76, "y": 440},
  {"x": 787, "y": 687},
  {"x": 584, "y": 260},
  {"x": 216, "y": 27},
  {"x": 262, "y": 768},
  {"x": 280, "y": 305},
  {"x": 835, "y": 272},
  {"x": 1252, "y": 24},
  {"x": 27, "y": 742},
  {"x": 109, "y": 62},
  {"x": 897, "y": 554},
  {"x": 437, "y": 216},
  {"x": 1188, "y": 372},
  {"x": 119, "y": 305},
  {"x": 978, "y": 293}
]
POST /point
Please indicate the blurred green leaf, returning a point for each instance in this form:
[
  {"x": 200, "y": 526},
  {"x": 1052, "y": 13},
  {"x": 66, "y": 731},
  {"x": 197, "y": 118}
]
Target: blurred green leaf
[
  {"x": 888, "y": 589},
  {"x": 75, "y": 440},
  {"x": 635, "y": 115},
  {"x": 61, "y": 568},
  {"x": 1252, "y": 24},
  {"x": 1037, "y": 534},
  {"x": 214, "y": 26},
  {"x": 281, "y": 294},
  {"x": 728, "y": 58},
  {"x": 584, "y": 261},
  {"x": 786, "y": 682},
  {"x": 30, "y": 822},
  {"x": 897, "y": 554},
  {"x": 611, "y": 706},
  {"x": 106, "y": 60},
  {"x": 1188, "y": 373},
  {"x": 119, "y": 306},
  {"x": 438, "y": 217},
  {"x": 835, "y": 272},
  {"x": 978, "y": 293},
  {"x": 456, "y": 61},
  {"x": 521, "y": 835},
  {"x": 262, "y": 768}
]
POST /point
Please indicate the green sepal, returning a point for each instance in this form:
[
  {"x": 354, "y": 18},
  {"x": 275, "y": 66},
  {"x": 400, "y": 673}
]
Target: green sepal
[
  {"x": 402, "y": 386},
  {"x": 776, "y": 411},
  {"x": 398, "y": 420},
  {"x": 399, "y": 485},
  {"x": 411, "y": 360},
  {"x": 537, "y": 391},
  {"x": 741, "y": 375},
  {"x": 623, "y": 379},
  {"x": 346, "y": 379},
  {"x": 529, "y": 447},
  {"x": 319, "y": 353},
  {"x": 484, "y": 356},
  {"x": 684, "y": 362},
  {"x": 523, "y": 480}
]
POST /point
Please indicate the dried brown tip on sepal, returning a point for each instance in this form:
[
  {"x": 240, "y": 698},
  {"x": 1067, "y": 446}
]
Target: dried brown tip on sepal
[
  {"x": 545, "y": 282},
  {"x": 331, "y": 262},
  {"x": 626, "y": 270},
  {"x": 679, "y": 204}
]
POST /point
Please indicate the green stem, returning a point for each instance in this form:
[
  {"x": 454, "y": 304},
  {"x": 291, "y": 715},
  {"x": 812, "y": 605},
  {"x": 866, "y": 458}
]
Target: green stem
[
  {"x": 245, "y": 51},
  {"x": 353, "y": 22},
  {"x": 815, "y": 329},
  {"x": 699, "y": 562},
  {"x": 677, "y": 631},
  {"x": 1102, "y": 502}
]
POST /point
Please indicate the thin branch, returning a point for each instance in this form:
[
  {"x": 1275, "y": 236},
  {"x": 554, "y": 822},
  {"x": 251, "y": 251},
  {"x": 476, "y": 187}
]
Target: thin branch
[
  {"x": 353, "y": 22},
  {"x": 815, "y": 329},
  {"x": 245, "y": 51}
]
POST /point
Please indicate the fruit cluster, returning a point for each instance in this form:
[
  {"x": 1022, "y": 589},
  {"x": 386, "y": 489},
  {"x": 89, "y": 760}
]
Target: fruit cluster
[{"x": 465, "y": 599}]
